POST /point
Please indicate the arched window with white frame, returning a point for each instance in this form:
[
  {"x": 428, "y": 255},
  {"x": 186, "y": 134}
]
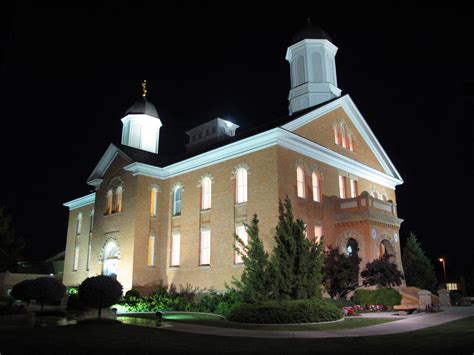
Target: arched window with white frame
[
  {"x": 118, "y": 199},
  {"x": 316, "y": 181},
  {"x": 108, "y": 203},
  {"x": 206, "y": 193},
  {"x": 177, "y": 200},
  {"x": 241, "y": 185},
  {"x": 300, "y": 182},
  {"x": 153, "y": 201},
  {"x": 343, "y": 136}
]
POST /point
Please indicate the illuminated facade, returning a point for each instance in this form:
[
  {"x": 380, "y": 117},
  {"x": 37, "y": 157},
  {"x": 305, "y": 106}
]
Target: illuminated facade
[{"x": 152, "y": 219}]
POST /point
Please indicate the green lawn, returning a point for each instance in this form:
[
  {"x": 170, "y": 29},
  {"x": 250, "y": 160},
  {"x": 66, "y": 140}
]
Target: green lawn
[
  {"x": 215, "y": 321},
  {"x": 455, "y": 337}
]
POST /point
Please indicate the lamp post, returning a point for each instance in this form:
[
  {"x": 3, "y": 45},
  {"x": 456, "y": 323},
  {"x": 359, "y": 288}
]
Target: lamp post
[{"x": 444, "y": 270}]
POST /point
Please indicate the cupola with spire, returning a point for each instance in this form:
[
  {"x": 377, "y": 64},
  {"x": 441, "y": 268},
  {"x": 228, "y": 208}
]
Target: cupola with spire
[
  {"x": 141, "y": 125},
  {"x": 312, "y": 68}
]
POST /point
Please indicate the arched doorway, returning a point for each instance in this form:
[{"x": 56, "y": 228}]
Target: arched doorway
[
  {"x": 386, "y": 250},
  {"x": 110, "y": 258}
]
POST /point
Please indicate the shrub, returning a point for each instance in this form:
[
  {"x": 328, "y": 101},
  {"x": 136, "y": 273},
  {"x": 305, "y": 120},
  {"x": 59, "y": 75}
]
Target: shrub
[
  {"x": 23, "y": 291},
  {"x": 283, "y": 312},
  {"x": 74, "y": 304},
  {"x": 12, "y": 309},
  {"x": 99, "y": 292},
  {"x": 455, "y": 297},
  {"x": 342, "y": 302},
  {"x": 132, "y": 293},
  {"x": 385, "y": 296},
  {"x": 47, "y": 290}
]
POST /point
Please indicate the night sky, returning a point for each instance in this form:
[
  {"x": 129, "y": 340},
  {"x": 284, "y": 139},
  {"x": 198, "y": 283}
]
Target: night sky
[{"x": 67, "y": 77}]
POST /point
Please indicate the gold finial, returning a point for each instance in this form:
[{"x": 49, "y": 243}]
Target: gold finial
[{"x": 144, "y": 88}]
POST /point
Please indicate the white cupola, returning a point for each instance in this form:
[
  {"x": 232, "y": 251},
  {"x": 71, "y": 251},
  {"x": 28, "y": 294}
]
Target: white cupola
[
  {"x": 141, "y": 125},
  {"x": 312, "y": 69}
]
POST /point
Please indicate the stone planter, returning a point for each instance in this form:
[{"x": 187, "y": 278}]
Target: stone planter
[{"x": 18, "y": 320}]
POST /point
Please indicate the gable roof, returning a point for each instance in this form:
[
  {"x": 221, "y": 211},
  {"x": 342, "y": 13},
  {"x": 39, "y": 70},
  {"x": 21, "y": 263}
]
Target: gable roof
[
  {"x": 268, "y": 134},
  {"x": 346, "y": 103}
]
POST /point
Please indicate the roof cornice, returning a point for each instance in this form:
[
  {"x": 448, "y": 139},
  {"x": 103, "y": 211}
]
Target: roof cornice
[{"x": 80, "y": 202}]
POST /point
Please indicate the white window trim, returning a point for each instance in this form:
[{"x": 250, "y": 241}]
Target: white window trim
[
  {"x": 205, "y": 253},
  {"x": 241, "y": 185}
]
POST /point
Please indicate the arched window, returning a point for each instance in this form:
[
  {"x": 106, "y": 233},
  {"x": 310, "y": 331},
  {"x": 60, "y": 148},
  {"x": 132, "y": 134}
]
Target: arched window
[
  {"x": 153, "y": 201},
  {"x": 118, "y": 199},
  {"x": 108, "y": 203},
  {"x": 177, "y": 196},
  {"x": 78, "y": 223},
  {"x": 300, "y": 71},
  {"x": 241, "y": 185},
  {"x": 352, "y": 143},
  {"x": 342, "y": 187},
  {"x": 206, "y": 193},
  {"x": 316, "y": 179},
  {"x": 300, "y": 182},
  {"x": 343, "y": 136},
  {"x": 352, "y": 247},
  {"x": 354, "y": 188},
  {"x": 382, "y": 250},
  {"x": 110, "y": 259},
  {"x": 336, "y": 135}
]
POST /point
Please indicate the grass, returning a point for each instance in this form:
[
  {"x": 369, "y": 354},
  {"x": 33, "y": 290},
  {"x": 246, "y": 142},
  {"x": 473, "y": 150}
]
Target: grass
[
  {"x": 453, "y": 337},
  {"x": 215, "y": 321}
]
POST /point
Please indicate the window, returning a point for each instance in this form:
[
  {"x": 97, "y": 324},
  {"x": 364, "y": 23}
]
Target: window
[
  {"x": 343, "y": 136},
  {"x": 316, "y": 179},
  {"x": 352, "y": 247},
  {"x": 91, "y": 222},
  {"x": 78, "y": 223},
  {"x": 76, "y": 258},
  {"x": 354, "y": 191},
  {"x": 318, "y": 233},
  {"x": 89, "y": 251},
  {"x": 300, "y": 183},
  {"x": 241, "y": 185},
  {"x": 342, "y": 187},
  {"x": 118, "y": 200},
  {"x": 151, "y": 251},
  {"x": 177, "y": 196},
  {"x": 175, "y": 248},
  {"x": 336, "y": 135},
  {"x": 108, "y": 206},
  {"x": 305, "y": 231},
  {"x": 452, "y": 286},
  {"x": 206, "y": 191},
  {"x": 351, "y": 143},
  {"x": 153, "y": 201},
  {"x": 205, "y": 248},
  {"x": 242, "y": 234}
]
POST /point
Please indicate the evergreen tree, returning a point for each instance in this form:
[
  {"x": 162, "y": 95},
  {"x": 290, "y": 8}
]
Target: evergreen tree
[
  {"x": 419, "y": 271},
  {"x": 382, "y": 273},
  {"x": 296, "y": 263},
  {"x": 341, "y": 272},
  {"x": 10, "y": 243},
  {"x": 253, "y": 283}
]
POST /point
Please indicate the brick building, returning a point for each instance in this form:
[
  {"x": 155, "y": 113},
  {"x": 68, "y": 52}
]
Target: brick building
[{"x": 153, "y": 219}]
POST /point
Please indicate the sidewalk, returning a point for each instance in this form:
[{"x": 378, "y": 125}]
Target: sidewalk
[{"x": 411, "y": 323}]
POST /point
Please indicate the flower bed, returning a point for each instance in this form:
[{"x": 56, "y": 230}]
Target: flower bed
[{"x": 355, "y": 309}]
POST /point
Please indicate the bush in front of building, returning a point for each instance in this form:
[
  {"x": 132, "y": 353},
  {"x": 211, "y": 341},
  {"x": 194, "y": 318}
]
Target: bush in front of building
[
  {"x": 23, "y": 291},
  {"x": 47, "y": 290},
  {"x": 388, "y": 297},
  {"x": 382, "y": 273},
  {"x": 100, "y": 292},
  {"x": 286, "y": 312}
]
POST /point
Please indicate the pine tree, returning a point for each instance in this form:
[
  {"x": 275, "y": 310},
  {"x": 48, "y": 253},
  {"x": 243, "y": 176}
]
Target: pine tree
[
  {"x": 296, "y": 262},
  {"x": 10, "y": 243},
  {"x": 419, "y": 271},
  {"x": 253, "y": 283},
  {"x": 341, "y": 272}
]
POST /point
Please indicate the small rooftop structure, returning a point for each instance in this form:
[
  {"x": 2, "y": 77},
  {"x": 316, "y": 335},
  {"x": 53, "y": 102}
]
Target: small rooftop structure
[{"x": 209, "y": 133}]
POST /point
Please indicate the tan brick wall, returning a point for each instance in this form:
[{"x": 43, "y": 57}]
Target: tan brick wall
[{"x": 321, "y": 131}]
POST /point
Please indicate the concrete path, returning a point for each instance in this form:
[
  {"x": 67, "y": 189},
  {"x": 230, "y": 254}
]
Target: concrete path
[{"x": 408, "y": 324}]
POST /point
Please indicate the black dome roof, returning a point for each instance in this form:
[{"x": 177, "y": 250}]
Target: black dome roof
[
  {"x": 144, "y": 107},
  {"x": 310, "y": 32}
]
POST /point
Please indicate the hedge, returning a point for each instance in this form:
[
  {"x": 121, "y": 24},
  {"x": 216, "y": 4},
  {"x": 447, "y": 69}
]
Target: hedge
[
  {"x": 385, "y": 296},
  {"x": 285, "y": 312}
]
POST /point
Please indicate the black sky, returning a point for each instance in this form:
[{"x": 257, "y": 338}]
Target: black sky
[{"x": 67, "y": 77}]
